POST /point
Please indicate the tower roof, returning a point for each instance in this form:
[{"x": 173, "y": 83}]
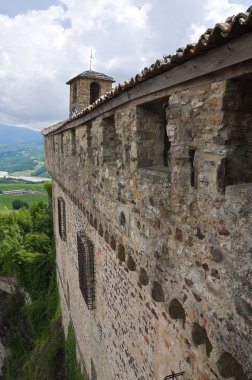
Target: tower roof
[{"x": 89, "y": 74}]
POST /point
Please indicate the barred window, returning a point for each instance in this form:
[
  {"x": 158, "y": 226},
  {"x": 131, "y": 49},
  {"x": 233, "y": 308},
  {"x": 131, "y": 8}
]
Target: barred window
[
  {"x": 62, "y": 218},
  {"x": 86, "y": 269}
]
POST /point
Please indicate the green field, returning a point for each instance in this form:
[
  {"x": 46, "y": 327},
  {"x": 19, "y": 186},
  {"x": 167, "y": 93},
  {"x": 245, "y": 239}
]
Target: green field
[{"x": 6, "y": 200}]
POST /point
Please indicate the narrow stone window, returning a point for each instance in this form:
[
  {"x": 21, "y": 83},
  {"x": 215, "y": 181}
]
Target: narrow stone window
[
  {"x": 192, "y": 168},
  {"x": 62, "y": 218},
  {"x": 86, "y": 269},
  {"x": 94, "y": 92},
  {"x": 122, "y": 219},
  {"x": 73, "y": 141},
  {"x": 111, "y": 140},
  {"x": 153, "y": 142}
]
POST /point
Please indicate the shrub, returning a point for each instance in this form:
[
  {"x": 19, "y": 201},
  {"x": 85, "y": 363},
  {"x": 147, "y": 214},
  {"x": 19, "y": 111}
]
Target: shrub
[{"x": 17, "y": 204}]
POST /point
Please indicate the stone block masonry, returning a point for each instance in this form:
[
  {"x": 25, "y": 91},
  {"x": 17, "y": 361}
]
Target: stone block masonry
[{"x": 154, "y": 255}]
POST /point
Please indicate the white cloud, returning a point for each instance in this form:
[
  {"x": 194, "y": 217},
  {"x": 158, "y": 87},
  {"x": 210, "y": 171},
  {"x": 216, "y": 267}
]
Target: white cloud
[
  {"x": 134, "y": 15},
  {"x": 41, "y": 49},
  {"x": 215, "y": 11}
]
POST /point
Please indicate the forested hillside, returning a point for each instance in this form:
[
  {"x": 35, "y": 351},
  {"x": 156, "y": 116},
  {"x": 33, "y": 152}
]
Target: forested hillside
[{"x": 32, "y": 331}]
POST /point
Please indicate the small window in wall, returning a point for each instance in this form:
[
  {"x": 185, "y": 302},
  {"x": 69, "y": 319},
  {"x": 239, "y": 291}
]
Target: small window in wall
[
  {"x": 94, "y": 92},
  {"x": 86, "y": 269},
  {"x": 153, "y": 142},
  {"x": 73, "y": 141},
  {"x": 111, "y": 140},
  {"x": 62, "y": 218},
  {"x": 193, "y": 180},
  {"x": 75, "y": 92}
]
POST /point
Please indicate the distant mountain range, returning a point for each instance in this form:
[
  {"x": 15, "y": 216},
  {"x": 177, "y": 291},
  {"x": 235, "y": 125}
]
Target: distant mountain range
[{"x": 13, "y": 136}]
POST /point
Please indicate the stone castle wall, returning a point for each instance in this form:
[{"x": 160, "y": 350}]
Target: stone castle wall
[{"x": 162, "y": 187}]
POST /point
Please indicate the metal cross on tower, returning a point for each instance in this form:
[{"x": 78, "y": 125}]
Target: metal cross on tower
[{"x": 91, "y": 57}]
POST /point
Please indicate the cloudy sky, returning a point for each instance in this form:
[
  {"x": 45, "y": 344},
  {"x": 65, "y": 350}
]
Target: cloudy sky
[{"x": 43, "y": 43}]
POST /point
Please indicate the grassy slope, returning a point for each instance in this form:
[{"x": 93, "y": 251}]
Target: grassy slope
[{"x": 6, "y": 200}]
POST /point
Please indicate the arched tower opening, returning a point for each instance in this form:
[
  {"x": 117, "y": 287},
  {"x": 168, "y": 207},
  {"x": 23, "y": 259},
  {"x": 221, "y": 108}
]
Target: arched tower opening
[{"x": 94, "y": 92}]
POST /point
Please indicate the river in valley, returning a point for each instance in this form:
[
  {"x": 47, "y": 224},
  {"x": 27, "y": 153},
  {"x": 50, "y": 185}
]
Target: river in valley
[{"x": 4, "y": 174}]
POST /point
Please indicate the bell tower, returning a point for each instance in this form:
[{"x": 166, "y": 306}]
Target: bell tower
[{"x": 86, "y": 88}]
